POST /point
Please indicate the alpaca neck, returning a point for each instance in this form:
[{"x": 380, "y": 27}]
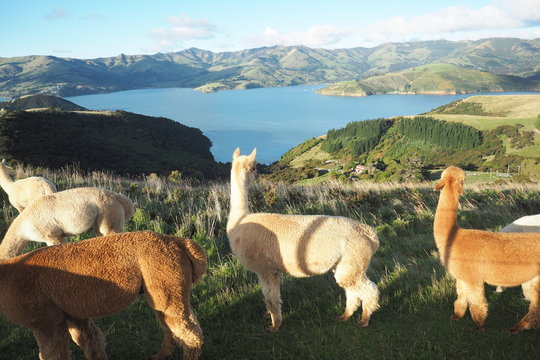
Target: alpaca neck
[
  {"x": 445, "y": 224},
  {"x": 239, "y": 201},
  {"x": 5, "y": 179}
]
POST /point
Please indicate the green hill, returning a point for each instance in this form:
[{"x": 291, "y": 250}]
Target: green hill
[
  {"x": 260, "y": 67},
  {"x": 40, "y": 102},
  {"x": 432, "y": 79},
  {"x": 487, "y": 133},
  {"x": 118, "y": 141}
]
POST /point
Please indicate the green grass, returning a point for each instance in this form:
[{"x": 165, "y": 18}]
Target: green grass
[
  {"x": 511, "y": 109},
  {"x": 416, "y": 293},
  {"x": 487, "y": 122}
]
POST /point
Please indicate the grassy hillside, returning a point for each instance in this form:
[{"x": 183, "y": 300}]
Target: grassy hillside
[
  {"x": 431, "y": 79},
  {"x": 515, "y": 110},
  {"x": 416, "y": 293},
  {"x": 260, "y": 67},
  {"x": 117, "y": 141},
  {"x": 495, "y": 133}
]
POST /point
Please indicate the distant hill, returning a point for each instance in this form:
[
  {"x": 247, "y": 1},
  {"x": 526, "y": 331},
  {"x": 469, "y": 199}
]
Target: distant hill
[
  {"x": 497, "y": 133},
  {"x": 118, "y": 141},
  {"x": 435, "y": 79},
  {"x": 260, "y": 67},
  {"x": 40, "y": 102}
]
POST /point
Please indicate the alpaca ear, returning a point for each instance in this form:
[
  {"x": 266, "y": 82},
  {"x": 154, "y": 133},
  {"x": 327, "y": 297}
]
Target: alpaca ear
[
  {"x": 440, "y": 184},
  {"x": 459, "y": 186},
  {"x": 236, "y": 153},
  {"x": 253, "y": 153}
]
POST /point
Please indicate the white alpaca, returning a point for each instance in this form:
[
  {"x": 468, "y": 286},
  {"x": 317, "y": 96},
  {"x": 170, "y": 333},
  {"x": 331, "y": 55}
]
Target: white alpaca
[
  {"x": 301, "y": 246},
  {"x": 22, "y": 193},
  {"x": 529, "y": 223},
  {"x": 52, "y": 217}
]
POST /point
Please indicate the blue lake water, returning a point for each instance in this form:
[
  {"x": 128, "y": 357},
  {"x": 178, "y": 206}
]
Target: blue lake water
[{"x": 271, "y": 119}]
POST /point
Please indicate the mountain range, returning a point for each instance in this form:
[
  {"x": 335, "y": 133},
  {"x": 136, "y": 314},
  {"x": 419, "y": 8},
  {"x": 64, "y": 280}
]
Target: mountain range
[{"x": 260, "y": 67}]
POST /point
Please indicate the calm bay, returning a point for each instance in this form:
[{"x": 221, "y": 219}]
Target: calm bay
[{"x": 273, "y": 120}]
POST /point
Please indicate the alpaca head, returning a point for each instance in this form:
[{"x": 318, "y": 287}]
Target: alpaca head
[
  {"x": 453, "y": 177},
  {"x": 244, "y": 167}
]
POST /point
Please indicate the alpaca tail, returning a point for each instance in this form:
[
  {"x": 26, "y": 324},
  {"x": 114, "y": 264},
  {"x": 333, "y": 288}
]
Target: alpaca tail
[
  {"x": 197, "y": 257},
  {"x": 126, "y": 203}
]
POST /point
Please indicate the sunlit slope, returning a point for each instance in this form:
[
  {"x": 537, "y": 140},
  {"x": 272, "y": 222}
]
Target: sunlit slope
[{"x": 432, "y": 79}]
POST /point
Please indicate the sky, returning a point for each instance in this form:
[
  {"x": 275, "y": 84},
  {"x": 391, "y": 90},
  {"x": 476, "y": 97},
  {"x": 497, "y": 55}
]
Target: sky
[{"x": 98, "y": 28}]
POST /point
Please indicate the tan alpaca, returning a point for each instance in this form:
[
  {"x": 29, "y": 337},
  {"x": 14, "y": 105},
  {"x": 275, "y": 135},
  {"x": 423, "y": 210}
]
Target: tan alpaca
[
  {"x": 301, "y": 246},
  {"x": 23, "y": 192},
  {"x": 476, "y": 257},
  {"x": 59, "y": 289},
  {"x": 52, "y": 217}
]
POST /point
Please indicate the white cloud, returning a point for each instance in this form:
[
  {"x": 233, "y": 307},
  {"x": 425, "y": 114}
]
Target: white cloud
[
  {"x": 525, "y": 10},
  {"x": 315, "y": 36},
  {"x": 448, "y": 20},
  {"x": 56, "y": 14},
  {"x": 93, "y": 16},
  {"x": 500, "y": 18},
  {"x": 183, "y": 28}
]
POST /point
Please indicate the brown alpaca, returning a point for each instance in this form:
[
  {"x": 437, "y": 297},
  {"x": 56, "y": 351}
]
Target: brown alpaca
[
  {"x": 301, "y": 246},
  {"x": 56, "y": 290},
  {"x": 475, "y": 257},
  {"x": 52, "y": 217}
]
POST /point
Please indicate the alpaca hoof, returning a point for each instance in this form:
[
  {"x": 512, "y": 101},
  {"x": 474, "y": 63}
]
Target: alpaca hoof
[
  {"x": 454, "y": 317},
  {"x": 272, "y": 328},
  {"x": 480, "y": 328},
  {"x": 343, "y": 318},
  {"x": 363, "y": 323},
  {"x": 516, "y": 329}
]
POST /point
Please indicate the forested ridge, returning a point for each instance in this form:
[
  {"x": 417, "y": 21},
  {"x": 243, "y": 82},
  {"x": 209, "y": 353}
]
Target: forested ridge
[
  {"x": 441, "y": 133},
  {"x": 358, "y": 137}
]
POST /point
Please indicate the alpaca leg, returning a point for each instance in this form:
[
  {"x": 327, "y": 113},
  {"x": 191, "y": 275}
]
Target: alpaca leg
[
  {"x": 270, "y": 284},
  {"x": 365, "y": 292},
  {"x": 531, "y": 291},
  {"x": 353, "y": 302},
  {"x": 369, "y": 293},
  {"x": 90, "y": 339},
  {"x": 167, "y": 287},
  {"x": 54, "y": 240},
  {"x": 53, "y": 342},
  {"x": 111, "y": 221},
  {"x": 184, "y": 330},
  {"x": 108, "y": 227},
  {"x": 168, "y": 344},
  {"x": 461, "y": 304},
  {"x": 478, "y": 305}
]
